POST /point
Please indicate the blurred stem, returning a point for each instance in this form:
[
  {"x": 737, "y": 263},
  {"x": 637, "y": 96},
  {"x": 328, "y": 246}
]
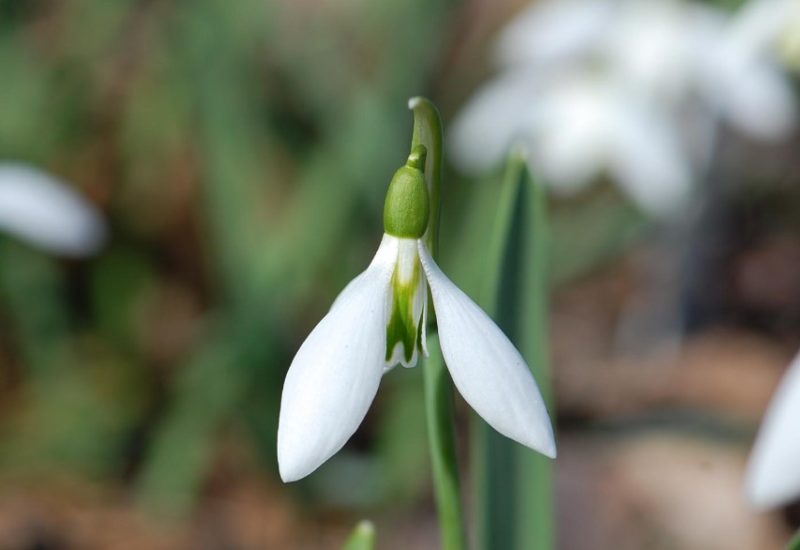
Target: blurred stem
[
  {"x": 362, "y": 537},
  {"x": 438, "y": 387},
  {"x": 428, "y": 132},
  {"x": 794, "y": 544},
  {"x": 514, "y": 484},
  {"x": 442, "y": 440}
]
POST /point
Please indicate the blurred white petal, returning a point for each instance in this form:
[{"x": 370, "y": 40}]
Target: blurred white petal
[
  {"x": 648, "y": 161},
  {"x": 758, "y": 24},
  {"x": 758, "y": 100},
  {"x": 572, "y": 138},
  {"x": 656, "y": 45},
  {"x": 773, "y": 474},
  {"x": 742, "y": 79},
  {"x": 334, "y": 377},
  {"x": 486, "y": 368},
  {"x": 46, "y": 212},
  {"x": 591, "y": 126},
  {"x": 495, "y": 117},
  {"x": 552, "y": 33}
]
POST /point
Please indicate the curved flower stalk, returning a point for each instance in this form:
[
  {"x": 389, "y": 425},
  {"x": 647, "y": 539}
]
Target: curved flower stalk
[
  {"x": 773, "y": 474},
  {"x": 598, "y": 87},
  {"x": 378, "y": 321},
  {"x": 45, "y": 212}
]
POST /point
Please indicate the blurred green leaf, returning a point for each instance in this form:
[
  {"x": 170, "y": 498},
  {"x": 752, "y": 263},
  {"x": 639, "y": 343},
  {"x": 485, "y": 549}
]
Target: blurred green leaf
[
  {"x": 121, "y": 278},
  {"x": 514, "y": 484},
  {"x": 206, "y": 391},
  {"x": 362, "y": 538},
  {"x": 401, "y": 439},
  {"x": 41, "y": 325},
  {"x": 589, "y": 233},
  {"x": 80, "y": 418},
  {"x": 25, "y": 102}
]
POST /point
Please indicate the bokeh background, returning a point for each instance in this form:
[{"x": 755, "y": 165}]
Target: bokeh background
[{"x": 239, "y": 153}]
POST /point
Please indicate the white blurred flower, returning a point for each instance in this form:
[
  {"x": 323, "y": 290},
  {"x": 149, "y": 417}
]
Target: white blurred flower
[
  {"x": 595, "y": 87},
  {"x": 580, "y": 127},
  {"x": 377, "y": 322},
  {"x": 44, "y": 211},
  {"x": 773, "y": 473}
]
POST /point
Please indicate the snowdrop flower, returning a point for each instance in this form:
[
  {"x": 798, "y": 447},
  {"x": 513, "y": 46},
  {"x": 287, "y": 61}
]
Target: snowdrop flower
[
  {"x": 600, "y": 87},
  {"x": 377, "y": 322},
  {"x": 42, "y": 210},
  {"x": 773, "y": 474},
  {"x": 581, "y": 127}
]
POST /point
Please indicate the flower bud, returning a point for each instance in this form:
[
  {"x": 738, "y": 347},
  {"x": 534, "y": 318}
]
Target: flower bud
[{"x": 407, "y": 208}]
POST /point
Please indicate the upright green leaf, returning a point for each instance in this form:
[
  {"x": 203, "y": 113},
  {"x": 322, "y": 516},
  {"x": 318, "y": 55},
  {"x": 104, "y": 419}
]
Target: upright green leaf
[{"x": 513, "y": 483}]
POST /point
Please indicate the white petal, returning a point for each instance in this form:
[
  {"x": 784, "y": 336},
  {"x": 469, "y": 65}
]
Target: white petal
[
  {"x": 335, "y": 375},
  {"x": 554, "y": 33},
  {"x": 742, "y": 79},
  {"x": 773, "y": 474},
  {"x": 44, "y": 211},
  {"x": 494, "y": 118},
  {"x": 758, "y": 24},
  {"x": 486, "y": 368},
  {"x": 384, "y": 258},
  {"x": 656, "y": 47},
  {"x": 760, "y": 101},
  {"x": 572, "y": 138},
  {"x": 648, "y": 160}
]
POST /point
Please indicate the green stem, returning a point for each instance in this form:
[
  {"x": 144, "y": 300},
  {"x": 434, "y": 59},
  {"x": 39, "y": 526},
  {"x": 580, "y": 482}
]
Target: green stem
[
  {"x": 438, "y": 386},
  {"x": 442, "y": 437},
  {"x": 794, "y": 544}
]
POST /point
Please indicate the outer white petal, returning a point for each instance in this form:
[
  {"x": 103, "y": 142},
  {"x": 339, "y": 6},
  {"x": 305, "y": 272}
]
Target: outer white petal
[
  {"x": 773, "y": 474},
  {"x": 496, "y": 116},
  {"x": 758, "y": 24},
  {"x": 647, "y": 159},
  {"x": 555, "y": 33},
  {"x": 741, "y": 77},
  {"x": 572, "y": 137},
  {"x": 657, "y": 46},
  {"x": 44, "y": 211},
  {"x": 760, "y": 101},
  {"x": 335, "y": 374},
  {"x": 486, "y": 368}
]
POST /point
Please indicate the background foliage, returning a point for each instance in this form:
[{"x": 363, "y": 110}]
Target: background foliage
[{"x": 240, "y": 152}]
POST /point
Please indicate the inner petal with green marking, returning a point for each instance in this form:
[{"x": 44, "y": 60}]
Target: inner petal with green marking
[{"x": 405, "y": 332}]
